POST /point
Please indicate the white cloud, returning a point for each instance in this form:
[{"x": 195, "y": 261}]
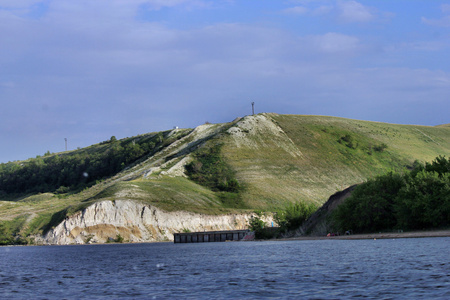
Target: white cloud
[
  {"x": 445, "y": 8},
  {"x": 296, "y": 10},
  {"x": 352, "y": 11},
  {"x": 427, "y": 46},
  {"x": 336, "y": 43},
  {"x": 345, "y": 11},
  {"x": 14, "y": 4},
  {"x": 158, "y": 4},
  {"x": 442, "y": 22},
  {"x": 323, "y": 10}
]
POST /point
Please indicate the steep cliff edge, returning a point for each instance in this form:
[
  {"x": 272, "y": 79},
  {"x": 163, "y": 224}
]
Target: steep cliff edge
[
  {"x": 134, "y": 222},
  {"x": 319, "y": 224}
]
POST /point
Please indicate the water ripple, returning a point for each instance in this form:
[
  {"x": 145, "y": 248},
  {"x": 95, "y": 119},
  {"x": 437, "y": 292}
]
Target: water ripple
[{"x": 409, "y": 268}]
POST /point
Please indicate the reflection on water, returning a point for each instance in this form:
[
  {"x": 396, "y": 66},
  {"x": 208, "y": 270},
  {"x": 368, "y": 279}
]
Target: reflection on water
[{"x": 402, "y": 268}]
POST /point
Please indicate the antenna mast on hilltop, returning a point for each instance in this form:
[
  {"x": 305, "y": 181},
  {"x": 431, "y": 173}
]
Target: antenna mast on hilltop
[
  {"x": 253, "y": 108},
  {"x": 65, "y": 139}
]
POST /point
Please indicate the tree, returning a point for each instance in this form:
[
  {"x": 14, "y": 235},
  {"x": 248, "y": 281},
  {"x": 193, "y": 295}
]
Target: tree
[
  {"x": 294, "y": 215},
  {"x": 419, "y": 199},
  {"x": 424, "y": 202},
  {"x": 257, "y": 225},
  {"x": 370, "y": 208}
]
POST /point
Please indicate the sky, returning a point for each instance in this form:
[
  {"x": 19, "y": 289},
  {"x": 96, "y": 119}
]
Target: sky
[{"x": 86, "y": 70}]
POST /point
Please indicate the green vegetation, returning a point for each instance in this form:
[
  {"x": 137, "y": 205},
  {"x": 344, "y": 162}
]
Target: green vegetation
[
  {"x": 210, "y": 169},
  {"x": 117, "y": 239},
  {"x": 349, "y": 141},
  {"x": 264, "y": 162},
  {"x": 302, "y": 159},
  {"x": 294, "y": 215},
  {"x": 59, "y": 216},
  {"x": 79, "y": 169},
  {"x": 257, "y": 225},
  {"x": 419, "y": 199},
  {"x": 165, "y": 192},
  {"x": 10, "y": 231},
  {"x": 38, "y": 224},
  {"x": 289, "y": 219}
]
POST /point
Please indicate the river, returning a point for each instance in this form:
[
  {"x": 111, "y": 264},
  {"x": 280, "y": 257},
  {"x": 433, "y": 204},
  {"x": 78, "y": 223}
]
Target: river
[{"x": 320, "y": 269}]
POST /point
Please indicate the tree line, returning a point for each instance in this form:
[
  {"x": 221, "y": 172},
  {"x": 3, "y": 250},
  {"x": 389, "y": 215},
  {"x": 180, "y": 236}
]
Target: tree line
[
  {"x": 416, "y": 200},
  {"x": 61, "y": 173}
]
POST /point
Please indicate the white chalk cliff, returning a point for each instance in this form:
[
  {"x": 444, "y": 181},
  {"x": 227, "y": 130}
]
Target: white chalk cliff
[{"x": 135, "y": 222}]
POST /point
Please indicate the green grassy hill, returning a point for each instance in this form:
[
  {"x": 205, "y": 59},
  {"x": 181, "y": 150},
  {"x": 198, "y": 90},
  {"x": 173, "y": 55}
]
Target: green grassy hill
[
  {"x": 290, "y": 158},
  {"x": 260, "y": 162}
]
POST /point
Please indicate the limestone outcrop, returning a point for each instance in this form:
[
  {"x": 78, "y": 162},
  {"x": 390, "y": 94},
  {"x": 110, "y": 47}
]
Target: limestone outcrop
[{"x": 134, "y": 222}]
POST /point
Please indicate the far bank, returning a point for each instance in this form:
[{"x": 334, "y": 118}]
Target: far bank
[{"x": 374, "y": 236}]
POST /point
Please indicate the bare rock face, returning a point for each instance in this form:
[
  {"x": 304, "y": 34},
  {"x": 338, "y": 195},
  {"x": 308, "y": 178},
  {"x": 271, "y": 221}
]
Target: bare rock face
[{"x": 134, "y": 222}]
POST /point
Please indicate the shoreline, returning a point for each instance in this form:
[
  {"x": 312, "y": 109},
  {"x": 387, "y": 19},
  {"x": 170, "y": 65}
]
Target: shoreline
[
  {"x": 374, "y": 236},
  {"x": 365, "y": 236}
]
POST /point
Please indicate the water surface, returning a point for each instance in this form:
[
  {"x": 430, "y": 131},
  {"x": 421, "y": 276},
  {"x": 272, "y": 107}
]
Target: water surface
[{"x": 320, "y": 269}]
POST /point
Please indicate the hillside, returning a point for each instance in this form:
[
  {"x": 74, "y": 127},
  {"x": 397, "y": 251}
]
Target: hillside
[
  {"x": 290, "y": 158},
  {"x": 259, "y": 162}
]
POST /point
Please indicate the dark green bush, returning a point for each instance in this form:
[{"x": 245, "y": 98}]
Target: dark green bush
[
  {"x": 257, "y": 225},
  {"x": 380, "y": 148},
  {"x": 119, "y": 239},
  {"x": 419, "y": 199},
  {"x": 348, "y": 141},
  {"x": 424, "y": 202},
  {"x": 371, "y": 206},
  {"x": 294, "y": 215},
  {"x": 209, "y": 169}
]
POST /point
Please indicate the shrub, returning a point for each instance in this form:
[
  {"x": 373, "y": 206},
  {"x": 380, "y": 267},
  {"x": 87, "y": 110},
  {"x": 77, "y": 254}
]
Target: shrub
[
  {"x": 209, "y": 169},
  {"x": 118, "y": 239},
  {"x": 256, "y": 223},
  {"x": 294, "y": 215},
  {"x": 380, "y": 147},
  {"x": 348, "y": 141},
  {"x": 262, "y": 232}
]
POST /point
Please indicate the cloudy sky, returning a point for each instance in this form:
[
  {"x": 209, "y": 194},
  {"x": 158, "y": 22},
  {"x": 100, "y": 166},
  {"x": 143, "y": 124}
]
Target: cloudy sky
[{"x": 86, "y": 70}]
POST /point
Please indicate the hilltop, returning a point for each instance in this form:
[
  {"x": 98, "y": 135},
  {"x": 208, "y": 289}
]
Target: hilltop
[{"x": 261, "y": 162}]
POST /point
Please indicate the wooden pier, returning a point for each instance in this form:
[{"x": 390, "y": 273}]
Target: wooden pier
[{"x": 213, "y": 236}]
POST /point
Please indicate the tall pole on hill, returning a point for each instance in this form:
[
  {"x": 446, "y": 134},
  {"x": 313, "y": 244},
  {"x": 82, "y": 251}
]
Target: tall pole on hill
[
  {"x": 65, "y": 139},
  {"x": 253, "y": 108}
]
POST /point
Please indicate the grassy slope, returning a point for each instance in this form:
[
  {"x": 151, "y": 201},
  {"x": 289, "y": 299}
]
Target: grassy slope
[
  {"x": 274, "y": 173},
  {"x": 278, "y": 158}
]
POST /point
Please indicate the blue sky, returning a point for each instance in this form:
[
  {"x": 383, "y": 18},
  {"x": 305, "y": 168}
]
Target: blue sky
[{"x": 87, "y": 70}]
